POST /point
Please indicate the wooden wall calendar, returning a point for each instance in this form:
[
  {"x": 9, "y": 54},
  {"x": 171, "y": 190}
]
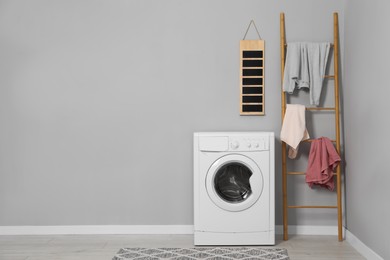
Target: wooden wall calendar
[{"x": 252, "y": 75}]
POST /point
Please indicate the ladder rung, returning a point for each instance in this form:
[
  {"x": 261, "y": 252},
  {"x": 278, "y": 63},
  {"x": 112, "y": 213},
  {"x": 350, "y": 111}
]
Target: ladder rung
[
  {"x": 320, "y": 108},
  {"x": 329, "y": 76},
  {"x": 304, "y": 173},
  {"x": 296, "y": 173},
  {"x": 312, "y": 140},
  {"x": 331, "y": 44},
  {"x": 312, "y": 207}
]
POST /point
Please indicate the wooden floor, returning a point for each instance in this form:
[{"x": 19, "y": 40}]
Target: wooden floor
[{"x": 104, "y": 247}]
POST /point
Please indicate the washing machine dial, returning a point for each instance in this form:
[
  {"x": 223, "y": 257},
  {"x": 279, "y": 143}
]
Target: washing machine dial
[
  {"x": 257, "y": 145},
  {"x": 235, "y": 144},
  {"x": 249, "y": 145}
]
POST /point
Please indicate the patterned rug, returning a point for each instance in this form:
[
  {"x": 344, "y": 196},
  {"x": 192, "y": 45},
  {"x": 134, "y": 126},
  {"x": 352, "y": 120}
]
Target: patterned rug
[{"x": 215, "y": 253}]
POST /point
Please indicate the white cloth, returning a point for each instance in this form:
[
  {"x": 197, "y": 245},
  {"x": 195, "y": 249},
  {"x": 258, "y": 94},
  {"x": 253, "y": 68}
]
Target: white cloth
[
  {"x": 294, "y": 128},
  {"x": 305, "y": 68}
]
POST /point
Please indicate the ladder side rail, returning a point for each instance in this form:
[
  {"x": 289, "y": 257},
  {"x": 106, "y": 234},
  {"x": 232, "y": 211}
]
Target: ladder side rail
[
  {"x": 284, "y": 147},
  {"x": 337, "y": 119}
]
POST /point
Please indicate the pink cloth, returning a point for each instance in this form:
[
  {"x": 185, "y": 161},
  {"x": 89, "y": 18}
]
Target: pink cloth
[{"x": 323, "y": 160}]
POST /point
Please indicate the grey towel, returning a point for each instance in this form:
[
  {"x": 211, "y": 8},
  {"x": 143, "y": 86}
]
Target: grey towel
[{"x": 305, "y": 68}]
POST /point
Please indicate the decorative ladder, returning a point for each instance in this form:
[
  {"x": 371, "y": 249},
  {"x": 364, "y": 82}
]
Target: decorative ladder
[{"x": 336, "y": 109}]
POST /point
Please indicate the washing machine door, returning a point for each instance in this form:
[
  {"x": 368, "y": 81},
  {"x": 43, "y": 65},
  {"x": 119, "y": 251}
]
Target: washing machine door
[{"x": 234, "y": 182}]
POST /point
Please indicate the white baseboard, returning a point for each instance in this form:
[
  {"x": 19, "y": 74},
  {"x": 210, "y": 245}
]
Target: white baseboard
[
  {"x": 97, "y": 230},
  {"x": 362, "y": 248},
  {"x": 142, "y": 229},
  {"x": 308, "y": 230}
]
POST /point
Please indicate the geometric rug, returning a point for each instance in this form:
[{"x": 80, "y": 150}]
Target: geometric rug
[{"x": 214, "y": 253}]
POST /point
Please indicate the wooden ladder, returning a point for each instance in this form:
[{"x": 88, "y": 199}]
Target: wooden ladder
[{"x": 336, "y": 109}]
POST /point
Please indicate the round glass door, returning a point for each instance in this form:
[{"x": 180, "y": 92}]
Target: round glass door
[
  {"x": 231, "y": 182},
  {"x": 234, "y": 182}
]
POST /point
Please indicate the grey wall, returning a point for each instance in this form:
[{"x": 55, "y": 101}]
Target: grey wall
[
  {"x": 366, "y": 99},
  {"x": 99, "y": 100}
]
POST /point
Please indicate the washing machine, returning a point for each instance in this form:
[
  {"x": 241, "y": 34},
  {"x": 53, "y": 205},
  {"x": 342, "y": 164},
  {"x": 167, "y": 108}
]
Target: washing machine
[{"x": 234, "y": 188}]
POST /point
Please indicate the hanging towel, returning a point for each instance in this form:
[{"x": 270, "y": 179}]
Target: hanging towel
[
  {"x": 305, "y": 68},
  {"x": 323, "y": 160},
  {"x": 294, "y": 128}
]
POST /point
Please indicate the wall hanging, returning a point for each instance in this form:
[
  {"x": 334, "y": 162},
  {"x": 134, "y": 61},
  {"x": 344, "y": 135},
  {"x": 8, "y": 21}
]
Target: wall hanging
[{"x": 252, "y": 75}]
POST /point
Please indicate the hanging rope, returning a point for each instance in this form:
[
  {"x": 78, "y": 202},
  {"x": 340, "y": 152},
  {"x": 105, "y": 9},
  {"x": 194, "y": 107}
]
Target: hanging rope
[{"x": 252, "y": 22}]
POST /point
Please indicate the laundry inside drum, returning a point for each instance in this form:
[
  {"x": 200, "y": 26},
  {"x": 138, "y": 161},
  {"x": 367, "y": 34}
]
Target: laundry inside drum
[{"x": 231, "y": 182}]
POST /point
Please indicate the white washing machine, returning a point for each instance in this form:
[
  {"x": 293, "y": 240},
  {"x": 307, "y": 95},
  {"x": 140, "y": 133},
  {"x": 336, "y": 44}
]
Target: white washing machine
[{"x": 234, "y": 188}]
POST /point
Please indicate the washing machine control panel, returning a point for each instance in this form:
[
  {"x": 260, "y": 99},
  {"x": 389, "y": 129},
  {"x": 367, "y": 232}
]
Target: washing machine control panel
[{"x": 249, "y": 143}]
